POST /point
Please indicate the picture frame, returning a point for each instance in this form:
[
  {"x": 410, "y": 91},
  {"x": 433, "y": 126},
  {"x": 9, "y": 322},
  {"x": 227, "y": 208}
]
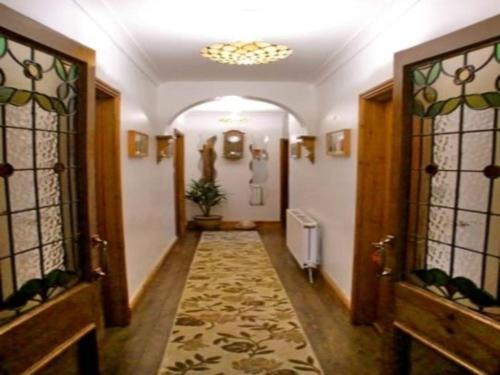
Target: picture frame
[
  {"x": 164, "y": 147},
  {"x": 138, "y": 144},
  {"x": 338, "y": 143},
  {"x": 295, "y": 150}
]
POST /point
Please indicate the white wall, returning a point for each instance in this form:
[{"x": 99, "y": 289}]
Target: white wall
[
  {"x": 328, "y": 189},
  {"x": 298, "y": 98},
  {"x": 147, "y": 187},
  {"x": 234, "y": 175}
]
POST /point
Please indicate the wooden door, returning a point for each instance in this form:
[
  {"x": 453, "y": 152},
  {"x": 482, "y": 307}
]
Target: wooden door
[
  {"x": 445, "y": 195},
  {"x": 371, "y": 284},
  {"x": 49, "y": 260},
  {"x": 109, "y": 205},
  {"x": 179, "y": 185},
  {"x": 284, "y": 179}
]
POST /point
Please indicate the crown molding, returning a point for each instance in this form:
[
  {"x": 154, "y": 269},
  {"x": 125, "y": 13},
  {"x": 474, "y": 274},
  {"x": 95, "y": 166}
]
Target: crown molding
[
  {"x": 363, "y": 38},
  {"x": 107, "y": 20}
]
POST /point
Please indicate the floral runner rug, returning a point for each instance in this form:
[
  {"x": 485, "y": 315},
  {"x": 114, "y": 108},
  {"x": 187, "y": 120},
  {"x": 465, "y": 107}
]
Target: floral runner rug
[{"x": 234, "y": 316}]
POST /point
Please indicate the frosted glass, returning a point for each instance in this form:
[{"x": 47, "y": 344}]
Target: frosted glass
[
  {"x": 440, "y": 224},
  {"x": 474, "y": 191},
  {"x": 468, "y": 264},
  {"x": 19, "y": 149},
  {"x": 50, "y": 221},
  {"x": 27, "y": 266},
  {"x": 443, "y": 189},
  {"x": 46, "y": 149},
  {"x": 53, "y": 257},
  {"x": 438, "y": 256},
  {"x": 24, "y": 228},
  {"x": 48, "y": 187},
  {"x": 446, "y": 151},
  {"x": 477, "y": 150},
  {"x": 470, "y": 229},
  {"x": 22, "y": 191}
]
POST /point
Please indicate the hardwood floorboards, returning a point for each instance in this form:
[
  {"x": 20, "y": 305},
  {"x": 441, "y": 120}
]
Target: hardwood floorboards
[{"x": 341, "y": 348}]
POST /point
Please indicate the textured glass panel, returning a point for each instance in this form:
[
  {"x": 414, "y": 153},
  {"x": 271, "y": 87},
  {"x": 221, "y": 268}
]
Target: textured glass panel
[
  {"x": 471, "y": 230},
  {"x": 4, "y": 237},
  {"x": 45, "y": 120},
  {"x": 22, "y": 190},
  {"x": 15, "y": 78},
  {"x": 474, "y": 191},
  {"x": 492, "y": 274},
  {"x": 468, "y": 264},
  {"x": 478, "y": 120},
  {"x": 20, "y": 146},
  {"x": 24, "y": 227},
  {"x": 440, "y": 224},
  {"x": 443, "y": 189},
  {"x": 53, "y": 257},
  {"x": 27, "y": 266},
  {"x": 50, "y": 219},
  {"x": 446, "y": 151},
  {"x": 476, "y": 150},
  {"x": 18, "y": 116},
  {"x": 48, "y": 187},
  {"x": 494, "y": 236},
  {"x": 447, "y": 123},
  {"x": 482, "y": 79},
  {"x": 3, "y": 200},
  {"x": 46, "y": 149},
  {"x": 7, "y": 279},
  {"x": 495, "y": 204},
  {"x": 438, "y": 256}
]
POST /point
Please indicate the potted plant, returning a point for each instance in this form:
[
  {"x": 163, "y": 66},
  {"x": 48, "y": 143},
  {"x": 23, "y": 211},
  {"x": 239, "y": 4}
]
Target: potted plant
[{"x": 206, "y": 195}]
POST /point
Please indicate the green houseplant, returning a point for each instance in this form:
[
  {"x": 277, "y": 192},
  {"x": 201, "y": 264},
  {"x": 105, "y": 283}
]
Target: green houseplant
[{"x": 206, "y": 195}]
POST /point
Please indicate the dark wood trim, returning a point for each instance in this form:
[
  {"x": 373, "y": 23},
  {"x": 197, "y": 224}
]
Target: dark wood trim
[
  {"x": 137, "y": 298},
  {"x": 373, "y": 153},
  {"x": 109, "y": 204},
  {"x": 179, "y": 185},
  {"x": 284, "y": 178},
  {"x": 461, "y": 40}
]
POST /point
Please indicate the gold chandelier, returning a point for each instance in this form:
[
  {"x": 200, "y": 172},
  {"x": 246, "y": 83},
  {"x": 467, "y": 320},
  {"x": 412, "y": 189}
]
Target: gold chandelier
[{"x": 246, "y": 53}]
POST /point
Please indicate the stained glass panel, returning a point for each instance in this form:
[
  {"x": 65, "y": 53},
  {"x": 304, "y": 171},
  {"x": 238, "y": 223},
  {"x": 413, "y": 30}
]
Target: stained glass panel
[
  {"x": 38, "y": 173},
  {"x": 455, "y": 174}
]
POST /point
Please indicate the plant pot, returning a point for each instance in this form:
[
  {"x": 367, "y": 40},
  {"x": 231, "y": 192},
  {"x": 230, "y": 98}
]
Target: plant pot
[{"x": 211, "y": 222}]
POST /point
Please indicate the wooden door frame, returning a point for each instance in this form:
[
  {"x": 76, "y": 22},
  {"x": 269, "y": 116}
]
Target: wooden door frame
[
  {"x": 179, "y": 184},
  {"x": 284, "y": 179},
  {"x": 115, "y": 296},
  {"x": 31, "y": 341},
  {"x": 440, "y": 324},
  {"x": 363, "y": 297}
]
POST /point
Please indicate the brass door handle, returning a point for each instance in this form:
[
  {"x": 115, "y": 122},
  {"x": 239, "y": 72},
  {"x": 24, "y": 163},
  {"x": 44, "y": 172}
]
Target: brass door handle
[
  {"x": 381, "y": 252},
  {"x": 102, "y": 245}
]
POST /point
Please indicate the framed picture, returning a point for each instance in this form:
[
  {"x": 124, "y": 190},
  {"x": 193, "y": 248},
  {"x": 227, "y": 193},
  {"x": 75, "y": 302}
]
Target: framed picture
[
  {"x": 338, "y": 143},
  {"x": 295, "y": 150},
  {"x": 138, "y": 144}
]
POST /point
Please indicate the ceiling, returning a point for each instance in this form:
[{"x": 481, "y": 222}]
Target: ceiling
[{"x": 169, "y": 34}]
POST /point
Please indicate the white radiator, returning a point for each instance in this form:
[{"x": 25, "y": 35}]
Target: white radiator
[{"x": 302, "y": 239}]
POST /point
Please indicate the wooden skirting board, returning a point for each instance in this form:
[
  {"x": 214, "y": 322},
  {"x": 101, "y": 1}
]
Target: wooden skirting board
[
  {"x": 335, "y": 290},
  {"x": 137, "y": 297}
]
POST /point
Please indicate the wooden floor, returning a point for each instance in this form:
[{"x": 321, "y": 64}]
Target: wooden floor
[{"x": 341, "y": 348}]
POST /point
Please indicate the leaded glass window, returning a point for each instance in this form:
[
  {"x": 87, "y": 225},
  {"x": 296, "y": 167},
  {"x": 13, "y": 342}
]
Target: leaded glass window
[
  {"x": 38, "y": 189},
  {"x": 454, "y": 208}
]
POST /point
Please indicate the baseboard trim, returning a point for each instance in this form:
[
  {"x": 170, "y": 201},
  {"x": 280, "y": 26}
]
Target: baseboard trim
[
  {"x": 139, "y": 295},
  {"x": 335, "y": 291}
]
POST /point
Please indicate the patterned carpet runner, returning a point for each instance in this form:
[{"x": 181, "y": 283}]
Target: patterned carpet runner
[{"x": 234, "y": 316}]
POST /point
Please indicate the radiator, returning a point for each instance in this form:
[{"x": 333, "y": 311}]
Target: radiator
[{"x": 302, "y": 239}]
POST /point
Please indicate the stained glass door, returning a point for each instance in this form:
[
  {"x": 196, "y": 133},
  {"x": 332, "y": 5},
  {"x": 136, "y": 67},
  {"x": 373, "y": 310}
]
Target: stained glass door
[
  {"x": 48, "y": 294},
  {"x": 39, "y": 228},
  {"x": 445, "y": 203}
]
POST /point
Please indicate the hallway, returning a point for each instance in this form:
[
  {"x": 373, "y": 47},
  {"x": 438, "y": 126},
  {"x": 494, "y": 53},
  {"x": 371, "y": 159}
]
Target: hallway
[{"x": 340, "y": 347}]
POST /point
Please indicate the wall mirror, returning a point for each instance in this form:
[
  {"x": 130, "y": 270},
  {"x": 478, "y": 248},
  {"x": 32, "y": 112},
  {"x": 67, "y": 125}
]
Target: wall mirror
[{"x": 234, "y": 142}]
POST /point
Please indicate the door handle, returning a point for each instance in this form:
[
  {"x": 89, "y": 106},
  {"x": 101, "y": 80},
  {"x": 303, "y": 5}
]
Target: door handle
[
  {"x": 102, "y": 245},
  {"x": 381, "y": 254}
]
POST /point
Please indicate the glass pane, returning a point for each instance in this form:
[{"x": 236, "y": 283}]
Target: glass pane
[
  {"x": 477, "y": 150},
  {"x": 446, "y": 151},
  {"x": 27, "y": 266},
  {"x": 50, "y": 219},
  {"x": 4, "y": 237},
  {"x": 48, "y": 187},
  {"x": 46, "y": 149},
  {"x": 474, "y": 191},
  {"x": 18, "y": 116},
  {"x": 25, "y": 230},
  {"x": 53, "y": 257},
  {"x": 459, "y": 95},
  {"x": 22, "y": 191},
  {"x": 20, "y": 143}
]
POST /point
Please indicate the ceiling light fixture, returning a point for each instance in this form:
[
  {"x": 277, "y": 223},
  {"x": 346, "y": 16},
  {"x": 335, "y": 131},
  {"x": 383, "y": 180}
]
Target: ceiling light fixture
[{"x": 246, "y": 53}]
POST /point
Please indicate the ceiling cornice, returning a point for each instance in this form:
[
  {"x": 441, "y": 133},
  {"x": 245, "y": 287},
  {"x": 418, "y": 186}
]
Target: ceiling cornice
[
  {"x": 363, "y": 38},
  {"x": 105, "y": 18}
]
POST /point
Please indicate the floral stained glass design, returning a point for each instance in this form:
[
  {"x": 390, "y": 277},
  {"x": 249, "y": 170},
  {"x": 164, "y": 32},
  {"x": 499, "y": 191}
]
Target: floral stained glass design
[
  {"x": 38, "y": 202},
  {"x": 455, "y": 187}
]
